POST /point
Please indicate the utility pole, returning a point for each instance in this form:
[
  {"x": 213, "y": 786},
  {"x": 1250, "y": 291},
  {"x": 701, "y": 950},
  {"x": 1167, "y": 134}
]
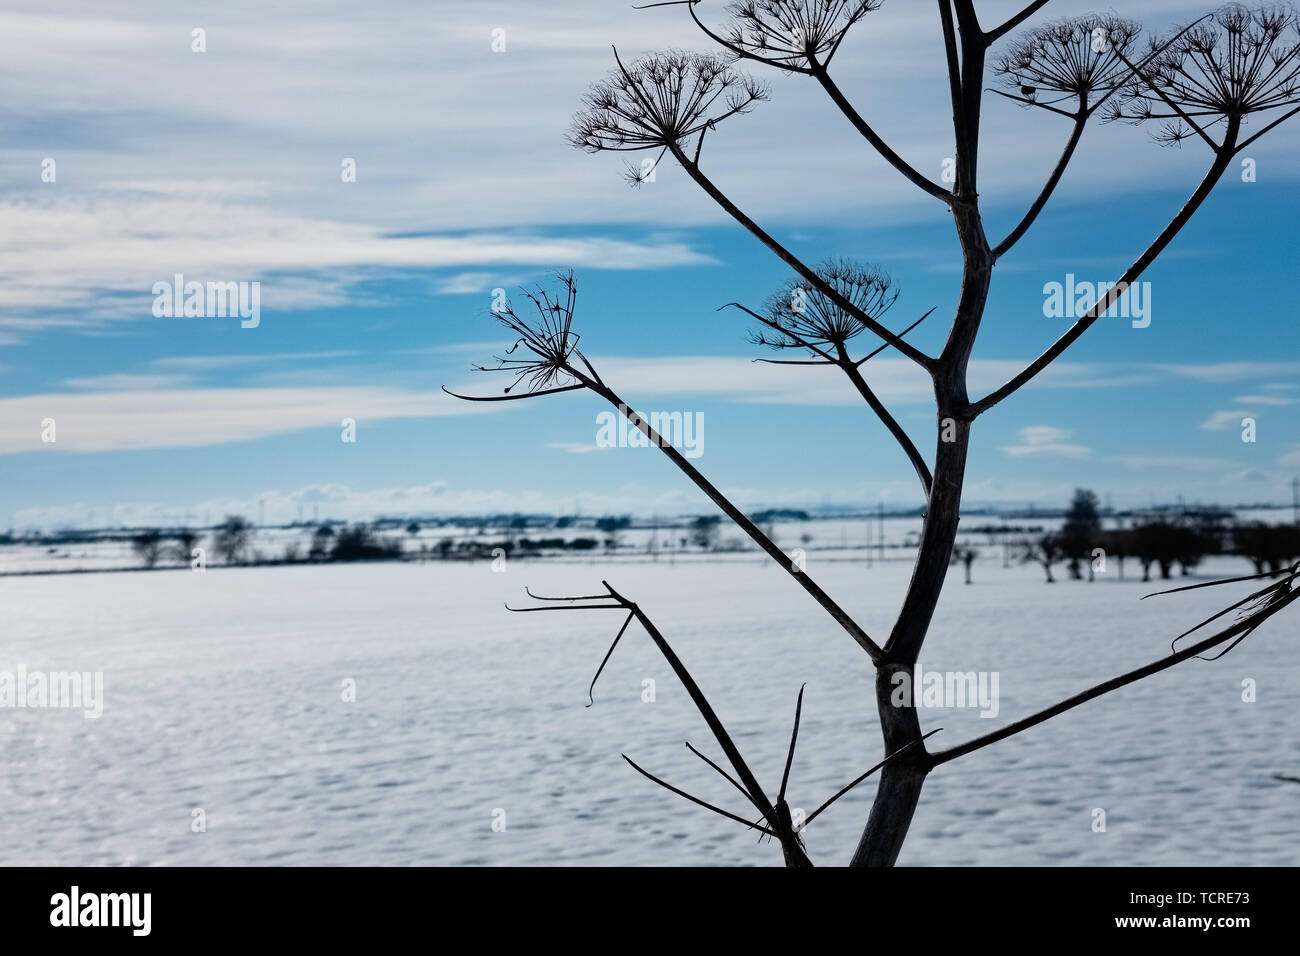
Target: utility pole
[{"x": 880, "y": 538}]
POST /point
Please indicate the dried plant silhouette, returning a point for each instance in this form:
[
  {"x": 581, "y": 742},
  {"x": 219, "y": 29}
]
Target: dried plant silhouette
[{"x": 1205, "y": 81}]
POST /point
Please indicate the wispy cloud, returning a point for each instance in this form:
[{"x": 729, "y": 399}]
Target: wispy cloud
[
  {"x": 1178, "y": 462},
  {"x": 153, "y": 410},
  {"x": 124, "y": 382},
  {"x": 1226, "y": 418},
  {"x": 460, "y": 151},
  {"x": 83, "y": 261},
  {"x": 1045, "y": 441},
  {"x": 188, "y": 418},
  {"x": 576, "y": 448},
  {"x": 201, "y": 363},
  {"x": 1272, "y": 398},
  {"x": 1226, "y": 372},
  {"x": 469, "y": 283}
]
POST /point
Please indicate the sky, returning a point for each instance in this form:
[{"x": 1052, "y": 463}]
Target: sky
[{"x": 228, "y": 165}]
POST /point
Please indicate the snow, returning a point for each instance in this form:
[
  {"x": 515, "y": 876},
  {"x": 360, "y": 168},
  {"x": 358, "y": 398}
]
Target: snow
[{"x": 224, "y": 691}]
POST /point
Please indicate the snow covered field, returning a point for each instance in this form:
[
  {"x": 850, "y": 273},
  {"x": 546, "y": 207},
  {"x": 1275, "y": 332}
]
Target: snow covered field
[{"x": 224, "y": 691}]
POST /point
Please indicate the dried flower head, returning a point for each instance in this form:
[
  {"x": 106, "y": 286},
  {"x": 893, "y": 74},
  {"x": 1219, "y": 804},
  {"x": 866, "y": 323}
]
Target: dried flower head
[
  {"x": 545, "y": 346},
  {"x": 797, "y": 316},
  {"x": 1218, "y": 72},
  {"x": 791, "y": 34},
  {"x": 1079, "y": 60},
  {"x": 661, "y": 101}
]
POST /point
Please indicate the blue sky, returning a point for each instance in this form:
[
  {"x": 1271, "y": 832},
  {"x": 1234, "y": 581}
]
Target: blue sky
[{"x": 224, "y": 165}]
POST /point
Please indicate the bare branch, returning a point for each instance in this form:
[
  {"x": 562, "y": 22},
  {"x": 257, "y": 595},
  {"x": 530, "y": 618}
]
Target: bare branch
[
  {"x": 1261, "y": 599},
  {"x": 1078, "y": 59},
  {"x": 726, "y": 776},
  {"x": 863, "y": 776},
  {"x": 954, "y": 75},
  {"x": 904, "y": 440},
  {"x": 511, "y": 398},
  {"x": 874, "y": 352},
  {"x": 791, "y": 844},
  {"x": 1283, "y": 594},
  {"x": 552, "y": 344},
  {"x": 1025, "y": 101},
  {"x": 591, "y": 690},
  {"x": 580, "y": 597},
  {"x": 808, "y": 319},
  {"x": 767, "y": 361},
  {"x": 794, "y": 737},
  {"x": 872, "y": 137},
  {"x": 917, "y": 356},
  {"x": 743, "y": 521},
  {"x": 1049, "y": 187},
  {"x": 696, "y": 800},
  {"x": 1277, "y": 122},
  {"x": 1217, "y": 583},
  {"x": 992, "y": 36},
  {"x": 1212, "y": 176}
]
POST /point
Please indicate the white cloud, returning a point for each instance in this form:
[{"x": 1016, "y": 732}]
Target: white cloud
[
  {"x": 1227, "y": 418},
  {"x": 575, "y": 447},
  {"x": 895, "y": 380},
  {"x": 125, "y": 382},
  {"x": 188, "y": 418},
  {"x": 1182, "y": 463},
  {"x": 449, "y": 139},
  {"x": 1224, "y": 372},
  {"x": 1046, "y": 441},
  {"x": 86, "y": 261},
  {"x": 468, "y": 283},
  {"x": 1269, "y": 399},
  {"x": 131, "y": 411},
  {"x": 202, "y": 363}
]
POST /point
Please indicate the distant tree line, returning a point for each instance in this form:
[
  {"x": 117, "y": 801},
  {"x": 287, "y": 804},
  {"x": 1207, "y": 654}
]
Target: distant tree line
[{"x": 1171, "y": 543}]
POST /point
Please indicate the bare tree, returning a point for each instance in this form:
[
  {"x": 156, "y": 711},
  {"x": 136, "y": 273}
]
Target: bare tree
[
  {"x": 965, "y": 555},
  {"x": 1205, "y": 80},
  {"x": 231, "y": 538},
  {"x": 704, "y": 532},
  {"x": 183, "y": 550},
  {"x": 1045, "y": 550},
  {"x": 148, "y": 545}
]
